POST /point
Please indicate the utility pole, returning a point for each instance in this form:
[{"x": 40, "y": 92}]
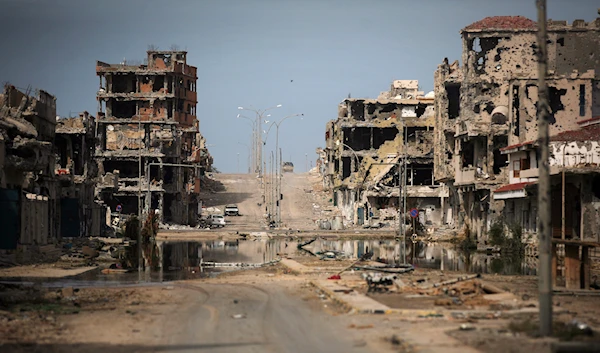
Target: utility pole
[
  {"x": 544, "y": 208},
  {"x": 141, "y": 223}
]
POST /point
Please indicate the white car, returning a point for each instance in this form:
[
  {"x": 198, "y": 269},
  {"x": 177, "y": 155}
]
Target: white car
[
  {"x": 232, "y": 210},
  {"x": 217, "y": 220}
]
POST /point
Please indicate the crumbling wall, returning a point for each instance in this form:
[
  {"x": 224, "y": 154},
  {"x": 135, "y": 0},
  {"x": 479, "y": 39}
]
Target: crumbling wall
[
  {"x": 570, "y": 102},
  {"x": 124, "y": 137},
  {"x": 590, "y": 200},
  {"x": 447, "y": 83},
  {"x": 576, "y": 46}
]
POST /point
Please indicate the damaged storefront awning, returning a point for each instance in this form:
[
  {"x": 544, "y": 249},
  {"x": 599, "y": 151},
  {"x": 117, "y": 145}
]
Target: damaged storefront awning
[{"x": 512, "y": 191}]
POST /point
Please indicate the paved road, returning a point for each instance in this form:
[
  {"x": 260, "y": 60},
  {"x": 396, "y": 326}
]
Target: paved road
[{"x": 273, "y": 321}]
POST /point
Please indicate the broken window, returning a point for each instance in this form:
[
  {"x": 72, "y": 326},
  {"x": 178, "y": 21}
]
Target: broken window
[
  {"x": 168, "y": 201},
  {"x": 516, "y": 110},
  {"x": 420, "y": 109},
  {"x": 168, "y": 175},
  {"x": 422, "y": 174},
  {"x": 480, "y": 48},
  {"x": 126, "y": 169},
  {"x": 556, "y": 105},
  {"x": 388, "y": 108},
  {"x": 453, "y": 92},
  {"x": 380, "y": 136},
  {"x": 357, "y": 138},
  {"x": 336, "y": 166},
  {"x": 169, "y": 109},
  {"x": 500, "y": 159},
  {"x": 468, "y": 154},
  {"x": 122, "y": 83},
  {"x": 415, "y": 134},
  {"x": 357, "y": 110},
  {"x": 159, "y": 83},
  {"x": 123, "y": 109},
  {"x": 581, "y": 100},
  {"x": 129, "y": 204},
  {"x": 346, "y": 167}
]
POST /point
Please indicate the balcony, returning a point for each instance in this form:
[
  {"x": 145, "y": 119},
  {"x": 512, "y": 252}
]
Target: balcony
[{"x": 529, "y": 173}]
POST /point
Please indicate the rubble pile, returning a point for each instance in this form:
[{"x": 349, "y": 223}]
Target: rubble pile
[{"x": 95, "y": 250}]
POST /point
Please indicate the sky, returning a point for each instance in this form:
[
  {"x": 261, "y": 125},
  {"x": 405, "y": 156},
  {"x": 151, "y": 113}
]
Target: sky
[{"x": 307, "y": 55}]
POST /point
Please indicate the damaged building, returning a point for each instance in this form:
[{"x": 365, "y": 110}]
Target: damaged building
[
  {"x": 76, "y": 174},
  {"x": 149, "y": 150},
  {"x": 366, "y": 147},
  {"x": 575, "y": 194},
  {"x": 29, "y": 198},
  {"x": 489, "y": 103}
]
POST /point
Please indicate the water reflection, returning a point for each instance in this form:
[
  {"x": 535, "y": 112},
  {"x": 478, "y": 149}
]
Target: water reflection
[{"x": 186, "y": 256}]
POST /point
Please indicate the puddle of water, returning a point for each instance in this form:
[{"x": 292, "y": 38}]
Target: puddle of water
[
  {"x": 182, "y": 259},
  {"x": 181, "y": 255}
]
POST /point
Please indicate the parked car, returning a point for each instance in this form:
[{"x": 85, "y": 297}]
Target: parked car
[
  {"x": 217, "y": 220},
  {"x": 212, "y": 221},
  {"x": 232, "y": 210}
]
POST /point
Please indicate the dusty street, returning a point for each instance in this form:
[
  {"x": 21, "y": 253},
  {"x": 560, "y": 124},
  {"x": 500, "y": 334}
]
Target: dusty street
[
  {"x": 243, "y": 312},
  {"x": 290, "y": 306}
]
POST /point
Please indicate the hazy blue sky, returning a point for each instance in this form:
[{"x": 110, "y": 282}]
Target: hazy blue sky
[{"x": 248, "y": 51}]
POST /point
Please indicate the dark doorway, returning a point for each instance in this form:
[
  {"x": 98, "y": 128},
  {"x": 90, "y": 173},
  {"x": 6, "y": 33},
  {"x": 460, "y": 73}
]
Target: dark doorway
[{"x": 69, "y": 218}]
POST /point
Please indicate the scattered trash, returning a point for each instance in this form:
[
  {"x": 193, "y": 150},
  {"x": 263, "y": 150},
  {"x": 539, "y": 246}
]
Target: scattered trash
[
  {"x": 580, "y": 327},
  {"x": 378, "y": 282},
  {"x": 334, "y": 277},
  {"x": 239, "y": 316}
]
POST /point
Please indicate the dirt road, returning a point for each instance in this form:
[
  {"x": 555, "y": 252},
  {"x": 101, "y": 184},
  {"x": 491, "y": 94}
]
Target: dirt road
[
  {"x": 242, "y": 313},
  {"x": 245, "y": 190}
]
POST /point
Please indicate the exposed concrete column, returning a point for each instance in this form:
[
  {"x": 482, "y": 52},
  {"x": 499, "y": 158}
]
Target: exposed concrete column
[
  {"x": 461, "y": 208},
  {"x": 554, "y": 264},
  {"x": 572, "y": 267},
  {"x": 490, "y": 154},
  {"x": 586, "y": 267},
  {"x": 109, "y": 85}
]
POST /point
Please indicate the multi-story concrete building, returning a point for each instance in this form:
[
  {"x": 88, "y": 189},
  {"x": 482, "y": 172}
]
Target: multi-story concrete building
[
  {"x": 77, "y": 174},
  {"x": 490, "y": 103},
  {"x": 150, "y": 153},
  {"x": 29, "y": 193},
  {"x": 365, "y": 150}
]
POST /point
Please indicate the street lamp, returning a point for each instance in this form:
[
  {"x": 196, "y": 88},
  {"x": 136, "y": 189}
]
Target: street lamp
[
  {"x": 253, "y": 138},
  {"x": 278, "y": 163},
  {"x": 259, "y": 118}
]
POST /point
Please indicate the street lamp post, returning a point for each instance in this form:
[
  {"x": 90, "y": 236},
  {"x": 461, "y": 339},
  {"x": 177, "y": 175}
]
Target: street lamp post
[
  {"x": 278, "y": 165},
  {"x": 259, "y": 117}
]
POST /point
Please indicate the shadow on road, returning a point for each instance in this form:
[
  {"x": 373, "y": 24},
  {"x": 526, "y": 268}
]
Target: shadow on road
[
  {"x": 223, "y": 198},
  {"x": 31, "y": 347}
]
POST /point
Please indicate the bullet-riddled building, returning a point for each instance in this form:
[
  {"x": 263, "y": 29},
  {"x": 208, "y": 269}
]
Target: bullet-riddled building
[
  {"x": 489, "y": 103},
  {"x": 148, "y": 138},
  {"x": 368, "y": 142}
]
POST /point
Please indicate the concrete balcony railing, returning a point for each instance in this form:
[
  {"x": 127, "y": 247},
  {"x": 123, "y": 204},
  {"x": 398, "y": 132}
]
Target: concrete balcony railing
[
  {"x": 529, "y": 173},
  {"x": 465, "y": 175}
]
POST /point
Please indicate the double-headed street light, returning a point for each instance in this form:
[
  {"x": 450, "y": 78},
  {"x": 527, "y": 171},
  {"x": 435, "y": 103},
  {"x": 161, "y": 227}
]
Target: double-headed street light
[
  {"x": 278, "y": 164},
  {"x": 259, "y": 117}
]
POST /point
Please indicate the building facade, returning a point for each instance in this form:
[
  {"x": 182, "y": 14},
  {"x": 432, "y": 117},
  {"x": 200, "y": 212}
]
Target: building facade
[
  {"x": 376, "y": 144},
  {"x": 149, "y": 150},
  {"x": 490, "y": 103}
]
